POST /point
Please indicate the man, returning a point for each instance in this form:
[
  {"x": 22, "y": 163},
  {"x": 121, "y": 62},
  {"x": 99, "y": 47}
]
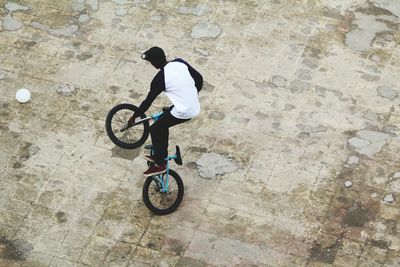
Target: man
[{"x": 181, "y": 83}]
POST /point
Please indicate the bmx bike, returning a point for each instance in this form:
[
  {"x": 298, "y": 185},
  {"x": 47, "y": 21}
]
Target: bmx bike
[{"x": 162, "y": 193}]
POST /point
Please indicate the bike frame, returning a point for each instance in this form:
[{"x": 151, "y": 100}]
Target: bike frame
[{"x": 154, "y": 117}]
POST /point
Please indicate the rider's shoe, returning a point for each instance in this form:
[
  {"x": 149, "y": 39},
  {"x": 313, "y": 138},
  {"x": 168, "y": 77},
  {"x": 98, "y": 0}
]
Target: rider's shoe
[
  {"x": 149, "y": 158},
  {"x": 155, "y": 170}
]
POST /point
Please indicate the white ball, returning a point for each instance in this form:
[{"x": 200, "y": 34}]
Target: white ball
[{"x": 23, "y": 95}]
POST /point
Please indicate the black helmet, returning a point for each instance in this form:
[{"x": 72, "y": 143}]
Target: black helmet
[{"x": 155, "y": 55}]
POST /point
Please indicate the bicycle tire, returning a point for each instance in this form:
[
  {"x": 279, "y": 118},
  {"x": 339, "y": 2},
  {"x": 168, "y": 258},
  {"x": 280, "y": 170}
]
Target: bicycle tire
[
  {"x": 142, "y": 134},
  {"x": 170, "y": 208}
]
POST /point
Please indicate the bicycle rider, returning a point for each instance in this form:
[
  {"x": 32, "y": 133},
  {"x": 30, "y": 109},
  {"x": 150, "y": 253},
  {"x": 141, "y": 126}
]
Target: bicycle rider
[{"x": 181, "y": 83}]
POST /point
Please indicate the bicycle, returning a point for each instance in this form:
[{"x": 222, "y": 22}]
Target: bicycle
[{"x": 161, "y": 194}]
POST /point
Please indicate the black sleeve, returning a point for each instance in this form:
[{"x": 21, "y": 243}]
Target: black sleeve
[
  {"x": 156, "y": 87},
  {"x": 198, "y": 79}
]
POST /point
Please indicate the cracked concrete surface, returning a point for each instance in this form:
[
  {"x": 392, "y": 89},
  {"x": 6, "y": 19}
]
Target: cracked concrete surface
[{"x": 298, "y": 135}]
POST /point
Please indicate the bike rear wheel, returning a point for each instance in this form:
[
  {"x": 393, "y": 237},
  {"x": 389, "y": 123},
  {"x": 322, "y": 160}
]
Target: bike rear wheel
[
  {"x": 131, "y": 138},
  {"x": 162, "y": 203}
]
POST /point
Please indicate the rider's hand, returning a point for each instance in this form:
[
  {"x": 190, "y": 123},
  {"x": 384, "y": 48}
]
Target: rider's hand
[{"x": 131, "y": 121}]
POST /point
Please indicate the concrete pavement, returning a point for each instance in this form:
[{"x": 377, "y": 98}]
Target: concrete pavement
[{"x": 293, "y": 160}]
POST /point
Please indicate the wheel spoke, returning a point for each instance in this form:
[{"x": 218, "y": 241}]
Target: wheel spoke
[
  {"x": 163, "y": 200},
  {"x": 129, "y": 136},
  {"x": 120, "y": 120},
  {"x": 116, "y": 123}
]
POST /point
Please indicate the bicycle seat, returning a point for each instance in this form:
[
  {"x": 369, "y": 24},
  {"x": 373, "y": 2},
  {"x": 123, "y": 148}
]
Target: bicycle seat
[{"x": 178, "y": 159}]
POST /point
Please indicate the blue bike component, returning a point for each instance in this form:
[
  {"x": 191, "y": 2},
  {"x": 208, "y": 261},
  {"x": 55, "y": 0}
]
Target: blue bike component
[
  {"x": 164, "y": 182},
  {"x": 156, "y": 116}
]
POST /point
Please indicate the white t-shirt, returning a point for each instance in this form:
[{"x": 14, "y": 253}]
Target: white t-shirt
[{"x": 180, "y": 89}]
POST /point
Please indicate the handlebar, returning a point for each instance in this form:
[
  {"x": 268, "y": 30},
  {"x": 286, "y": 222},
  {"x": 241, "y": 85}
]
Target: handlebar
[{"x": 154, "y": 117}]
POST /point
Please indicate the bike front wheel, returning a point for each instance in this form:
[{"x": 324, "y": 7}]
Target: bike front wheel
[
  {"x": 158, "y": 201},
  {"x": 132, "y": 137}
]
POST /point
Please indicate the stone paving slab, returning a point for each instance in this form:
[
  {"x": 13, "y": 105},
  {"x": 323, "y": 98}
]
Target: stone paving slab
[{"x": 292, "y": 161}]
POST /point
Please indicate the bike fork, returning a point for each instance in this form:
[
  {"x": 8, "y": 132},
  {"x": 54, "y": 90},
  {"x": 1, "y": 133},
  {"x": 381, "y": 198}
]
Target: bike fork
[{"x": 164, "y": 181}]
